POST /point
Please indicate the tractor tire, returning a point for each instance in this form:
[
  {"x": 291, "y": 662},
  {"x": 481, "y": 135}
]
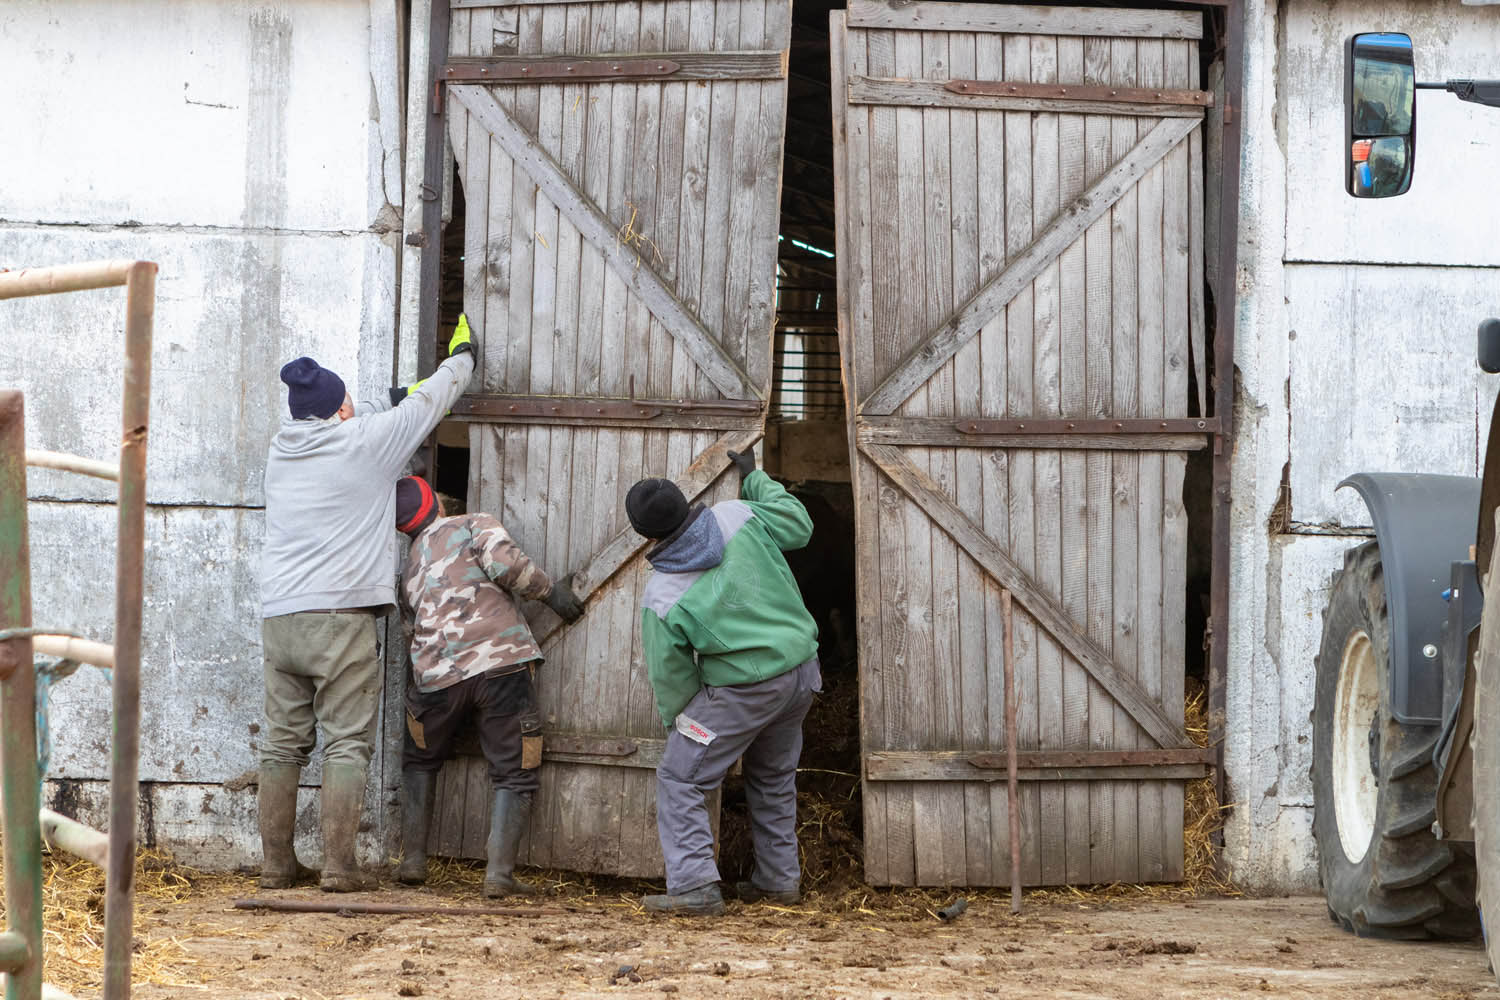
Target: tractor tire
[
  {"x": 1485, "y": 744},
  {"x": 1384, "y": 873}
]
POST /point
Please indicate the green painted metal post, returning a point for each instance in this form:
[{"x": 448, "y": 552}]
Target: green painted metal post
[{"x": 21, "y": 798}]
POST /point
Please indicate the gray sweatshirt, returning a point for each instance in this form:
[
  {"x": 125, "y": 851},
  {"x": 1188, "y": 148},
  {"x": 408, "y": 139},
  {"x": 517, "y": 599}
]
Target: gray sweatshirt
[{"x": 331, "y": 498}]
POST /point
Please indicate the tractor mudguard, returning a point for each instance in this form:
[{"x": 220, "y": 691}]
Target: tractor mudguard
[{"x": 1423, "y": 525}]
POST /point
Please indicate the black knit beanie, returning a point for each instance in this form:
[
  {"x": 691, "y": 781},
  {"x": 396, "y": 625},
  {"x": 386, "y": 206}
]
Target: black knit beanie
[
  {"x": 655, "y": 507},
  {"x": 312, "y": 390}
]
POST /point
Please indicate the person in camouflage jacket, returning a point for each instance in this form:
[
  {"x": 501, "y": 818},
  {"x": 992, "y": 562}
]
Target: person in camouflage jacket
[{"x": 472, "y": 655}]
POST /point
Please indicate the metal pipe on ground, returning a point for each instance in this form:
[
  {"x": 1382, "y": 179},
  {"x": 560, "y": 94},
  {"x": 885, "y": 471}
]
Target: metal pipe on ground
[
  {"x": 119, "y": 899},
  {"x": 64, "y": 834},
  {"x": 305, "y": 906},
  {"x": 20, "y": 800}
]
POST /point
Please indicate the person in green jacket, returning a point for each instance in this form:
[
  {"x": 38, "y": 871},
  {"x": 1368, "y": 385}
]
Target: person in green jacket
[{"x": 731, "y": 651}]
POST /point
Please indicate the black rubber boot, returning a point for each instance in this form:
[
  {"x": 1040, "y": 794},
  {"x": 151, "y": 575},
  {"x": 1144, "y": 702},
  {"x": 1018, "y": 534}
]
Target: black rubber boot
[
  {"x": 277, "y": 806},
  {"x": 509, "y": 814},
  {"x": 343, "y": 796},
  {"x": 749, "y": 892},
  {"x": 418, "y": 789},
  {"x": 704, "y": 901}
]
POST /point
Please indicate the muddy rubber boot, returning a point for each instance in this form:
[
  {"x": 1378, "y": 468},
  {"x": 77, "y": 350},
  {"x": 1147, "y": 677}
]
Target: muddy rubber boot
[
  {"x": 508, "y": 816},
  {"x": 277, "y": 806},
  {"x": 343, "y": 795},
  {"x": 704, "y": 901},
  {"x": 418, "y": 790}
]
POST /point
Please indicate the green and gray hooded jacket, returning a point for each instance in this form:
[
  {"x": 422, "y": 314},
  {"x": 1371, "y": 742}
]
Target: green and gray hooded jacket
[
  {"x": 722, "y": 606},
  {"x": 463, "y": 575}
]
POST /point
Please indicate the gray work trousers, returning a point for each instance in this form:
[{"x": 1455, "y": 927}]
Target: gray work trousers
[
  {"x": 322, "y": 668},
  {"x": 762, "y": 722}
]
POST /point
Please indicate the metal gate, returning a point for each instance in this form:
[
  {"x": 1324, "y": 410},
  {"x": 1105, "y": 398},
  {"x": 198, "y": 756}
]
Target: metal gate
[
  {"x": 1020, "y": 259},
  {"x": 621, "y": 168}
]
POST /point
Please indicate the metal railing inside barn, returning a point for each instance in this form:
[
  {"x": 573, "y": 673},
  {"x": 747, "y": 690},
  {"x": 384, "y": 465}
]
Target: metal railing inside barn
[{"x": 30, "y": 658}]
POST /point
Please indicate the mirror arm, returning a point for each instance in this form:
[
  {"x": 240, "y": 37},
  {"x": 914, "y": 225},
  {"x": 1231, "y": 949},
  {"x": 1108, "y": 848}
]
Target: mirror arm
[{"x": 1486, "y": 92}]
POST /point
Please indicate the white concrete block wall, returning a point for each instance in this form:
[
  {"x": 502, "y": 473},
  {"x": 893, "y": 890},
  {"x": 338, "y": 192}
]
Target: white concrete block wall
[
  {"x": 1354, "y": 352},
  {"x": 255, "y": 152}
]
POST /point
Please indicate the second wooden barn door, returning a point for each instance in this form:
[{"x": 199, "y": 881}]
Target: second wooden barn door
[
  {"x": 621, "y": 178},
  {"x": 1019, "y": 256}
]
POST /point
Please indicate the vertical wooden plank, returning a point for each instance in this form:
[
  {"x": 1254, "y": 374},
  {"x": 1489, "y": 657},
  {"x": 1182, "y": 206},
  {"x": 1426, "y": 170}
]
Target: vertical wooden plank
[
  {"x": 1073, "y": 482},
  {"x": 938, "y": 808},
  {"x": 1021, "y": 401},
  {"x": 544, "y": 278},
  {"x": 880, "y": 59},
  {"x": 638, "y": 840},
  {"x": 1046, "y": 498},
  {"x": 885, "y": 250},
  {"x": 475, "y": 775},
  {"x": 760, "y": 316},
  {"x": 524, "y": 106},
  {"x": 1180, "y": 189},
  {"x": 450, "y": 806},
  {"x": 967, "y": 471},
  {"x": 993, "y": 465},
  {"x": 744, "y": 141},
  {"x": 852, "y": 153},
  {"x": 859, "y": 192},
  {"x": 669, "y": 178},
  {"x": 720, "y": 183},
  {"x": 596, "y": 109},
  {"x": 1152, "y": 363},
  {"x": 1125, "y": 466},
  {"x": 1098, "y": 402},
  {"x": 569, "y": 242},
  {"x": 686, "y": 380},
  {"x": 910, "y": 812},
  {"x": 624, "y": 343},
  {"x": 650, "y": 375}
]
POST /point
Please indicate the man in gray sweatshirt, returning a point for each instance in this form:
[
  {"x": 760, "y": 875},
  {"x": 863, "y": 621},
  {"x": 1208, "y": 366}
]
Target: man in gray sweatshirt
[{"x": 328, "y": 570}]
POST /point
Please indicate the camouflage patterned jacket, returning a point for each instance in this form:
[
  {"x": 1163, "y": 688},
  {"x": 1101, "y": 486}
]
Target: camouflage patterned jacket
[{"x": 457, "y": 589}]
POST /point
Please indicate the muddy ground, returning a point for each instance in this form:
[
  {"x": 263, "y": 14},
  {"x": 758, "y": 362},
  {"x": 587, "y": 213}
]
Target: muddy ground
[{"x": 584, "y": 941}]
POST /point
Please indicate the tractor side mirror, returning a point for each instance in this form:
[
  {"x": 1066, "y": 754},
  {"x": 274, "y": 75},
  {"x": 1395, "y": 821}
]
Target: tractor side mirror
[
  {"x": 1380, "y": 114},
  {"x": 1489, "y": 345}
]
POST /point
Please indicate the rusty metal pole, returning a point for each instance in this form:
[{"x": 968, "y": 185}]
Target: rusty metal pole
[
  {"x": 140, "y": 308},
  {"x": 1012, "y": 792},
  {"x": 20, "y": 804}
]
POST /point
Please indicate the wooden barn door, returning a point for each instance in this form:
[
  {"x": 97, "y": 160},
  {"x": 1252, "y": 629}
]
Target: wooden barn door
[
  {"x": 621, "y": 182},
  {"x": 1020, "y": 238}
]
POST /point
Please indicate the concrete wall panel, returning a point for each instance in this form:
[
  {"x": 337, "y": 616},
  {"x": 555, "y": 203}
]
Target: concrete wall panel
[
  {"x": 1268, "y": 748},
  {"x": 1435, "y": 222},
  {"x": 200, "y": 655},
  {"x": 231, "y": 309},
  {"x": 212, "y": 113},
  {"x": 1383, "y": 378}
]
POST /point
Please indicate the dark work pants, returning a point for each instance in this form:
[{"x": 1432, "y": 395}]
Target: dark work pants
[{"x": 496, "y": 701}]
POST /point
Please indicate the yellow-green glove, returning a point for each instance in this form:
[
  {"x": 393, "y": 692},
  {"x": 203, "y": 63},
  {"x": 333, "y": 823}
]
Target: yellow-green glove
[
  {"x": 460, "y": 340},
  {"x": 400, "y": 392}
]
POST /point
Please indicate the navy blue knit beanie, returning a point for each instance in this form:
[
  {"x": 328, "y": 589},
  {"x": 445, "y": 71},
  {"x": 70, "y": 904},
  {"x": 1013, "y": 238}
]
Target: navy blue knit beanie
[
  {"x": 312, "y": 391},
  {"x": 655, "y": 507}
]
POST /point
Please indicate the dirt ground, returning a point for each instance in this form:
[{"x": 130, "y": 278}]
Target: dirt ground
[{"x": 592, "y": 941}]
